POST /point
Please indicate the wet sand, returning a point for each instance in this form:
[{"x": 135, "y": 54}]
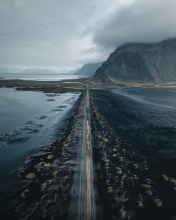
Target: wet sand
[{"x": 59, "y": 178}]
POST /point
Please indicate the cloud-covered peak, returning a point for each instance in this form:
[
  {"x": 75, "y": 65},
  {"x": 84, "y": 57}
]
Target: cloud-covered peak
[
  {"x": 63, "y": 35},
  {"x": 140, "y": 21}
]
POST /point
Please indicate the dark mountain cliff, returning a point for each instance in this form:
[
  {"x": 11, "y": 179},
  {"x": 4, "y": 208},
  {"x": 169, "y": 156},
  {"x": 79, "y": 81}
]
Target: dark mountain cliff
[{"x": 141, "y": 62}]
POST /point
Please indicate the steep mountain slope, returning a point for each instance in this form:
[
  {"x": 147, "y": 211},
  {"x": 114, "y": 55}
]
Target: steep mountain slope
[
  {"x": 161, "y": 60},
  {"x": 141, "y": 62},
  {"x": 88, "y": 69}
]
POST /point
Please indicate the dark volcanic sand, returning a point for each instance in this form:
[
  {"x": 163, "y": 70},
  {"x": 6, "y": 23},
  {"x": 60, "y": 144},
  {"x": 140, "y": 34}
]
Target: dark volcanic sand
[{"x": 134, "y": 147}]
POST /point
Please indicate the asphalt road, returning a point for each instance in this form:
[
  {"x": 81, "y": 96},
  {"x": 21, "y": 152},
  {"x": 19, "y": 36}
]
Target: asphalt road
[{"x": 82, "y": 204}]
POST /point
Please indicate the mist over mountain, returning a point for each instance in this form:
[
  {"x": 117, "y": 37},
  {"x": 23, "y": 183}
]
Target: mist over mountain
[
  {"x": 140, "y": 62},
  {"x": 88, "y": 69},
  {"x": 72, "y": 71},
  {"x": 38, "y": 71}
]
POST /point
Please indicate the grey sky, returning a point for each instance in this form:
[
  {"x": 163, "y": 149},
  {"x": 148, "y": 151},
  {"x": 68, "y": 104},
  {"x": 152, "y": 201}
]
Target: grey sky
[{"x": 64, "y": 34}]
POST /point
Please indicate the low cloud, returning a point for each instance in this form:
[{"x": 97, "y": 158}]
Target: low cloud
[
  {"x": 64, "y": 34},
  {"x": 90, "y": 50},
  {"x": 140, "y": 21}
]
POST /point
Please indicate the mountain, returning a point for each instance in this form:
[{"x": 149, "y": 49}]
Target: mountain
[
  {"x": 140, "y": 62},
  {"x": 72, "y": 71},
  {"x": 88, "y": 69}
]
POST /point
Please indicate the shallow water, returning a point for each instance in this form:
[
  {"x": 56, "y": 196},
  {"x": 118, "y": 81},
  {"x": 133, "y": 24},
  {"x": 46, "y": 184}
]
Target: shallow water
[
  {"x": 28, "y": 122},
  {"x": 38, "y": 77}
]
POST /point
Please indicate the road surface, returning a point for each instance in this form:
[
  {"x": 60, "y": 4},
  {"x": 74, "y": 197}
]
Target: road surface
[{"x": 82, "y": 205}]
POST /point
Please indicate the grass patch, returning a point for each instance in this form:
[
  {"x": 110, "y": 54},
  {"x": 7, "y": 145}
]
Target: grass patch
[
  {"x": 28, "y": 84},
  {"x": 73, "y": 85},
  {"x": 38, "y": 83}
]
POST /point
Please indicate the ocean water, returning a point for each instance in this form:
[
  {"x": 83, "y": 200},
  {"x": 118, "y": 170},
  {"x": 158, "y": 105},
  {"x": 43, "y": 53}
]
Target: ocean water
[
  {"x": 28, "y": 122},
  {"x": 38, "y": 77}
]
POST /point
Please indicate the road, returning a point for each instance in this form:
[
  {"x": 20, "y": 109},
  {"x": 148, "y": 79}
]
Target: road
[
  {"x": 82, "y": 205},
  {"x": 89, "y": 162}
]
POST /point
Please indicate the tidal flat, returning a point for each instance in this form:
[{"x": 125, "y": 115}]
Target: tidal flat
[
  {"x": 133, "y": 135},
  {"x": 33, "y": 136}
]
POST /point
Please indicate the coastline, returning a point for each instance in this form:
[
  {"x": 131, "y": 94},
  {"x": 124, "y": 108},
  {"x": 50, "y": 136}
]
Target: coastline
[
  {"x": 58, "y": 86},
  {"x": 42, "y": 86},
  {"x": 46, "y": 174}
]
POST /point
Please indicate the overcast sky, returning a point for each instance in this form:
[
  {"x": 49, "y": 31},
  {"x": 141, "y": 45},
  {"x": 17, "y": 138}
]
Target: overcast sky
[{"x": 65, "y": 34}]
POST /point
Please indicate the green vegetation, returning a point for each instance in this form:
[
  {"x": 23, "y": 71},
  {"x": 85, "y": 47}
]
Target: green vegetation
[
  {"x": 73, "y": 85},
  {"x": 46, "y": 84},
  {"x": 28, "y": 84}
]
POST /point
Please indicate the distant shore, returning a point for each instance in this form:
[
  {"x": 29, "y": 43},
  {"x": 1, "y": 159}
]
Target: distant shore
[
  {"x": 73, "y": 85},
  {"x": 44, "y": 86}
]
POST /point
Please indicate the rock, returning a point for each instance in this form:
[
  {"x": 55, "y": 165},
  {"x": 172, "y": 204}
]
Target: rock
[{"x": 140, "y": 62}]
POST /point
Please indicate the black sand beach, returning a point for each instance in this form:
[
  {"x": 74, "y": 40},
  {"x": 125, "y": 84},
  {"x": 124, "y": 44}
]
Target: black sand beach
[{"x": 134, "y": 152}]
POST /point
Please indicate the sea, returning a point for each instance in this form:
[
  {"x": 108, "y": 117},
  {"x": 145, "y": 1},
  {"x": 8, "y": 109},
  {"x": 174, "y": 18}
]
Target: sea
[
  {"x": 38, "y": 77},
  {"x": 29, "y": 122}
]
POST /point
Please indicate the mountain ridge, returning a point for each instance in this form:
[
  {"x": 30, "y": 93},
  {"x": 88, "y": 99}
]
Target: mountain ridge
[
  {"x": 88, "y": 69},
  {"x": 141, "y": 62}
]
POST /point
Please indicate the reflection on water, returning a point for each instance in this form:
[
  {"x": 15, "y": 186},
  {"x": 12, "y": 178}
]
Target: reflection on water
[
  {"x": 28, "y": 121},
  {"x": 38, "y": 77}
]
